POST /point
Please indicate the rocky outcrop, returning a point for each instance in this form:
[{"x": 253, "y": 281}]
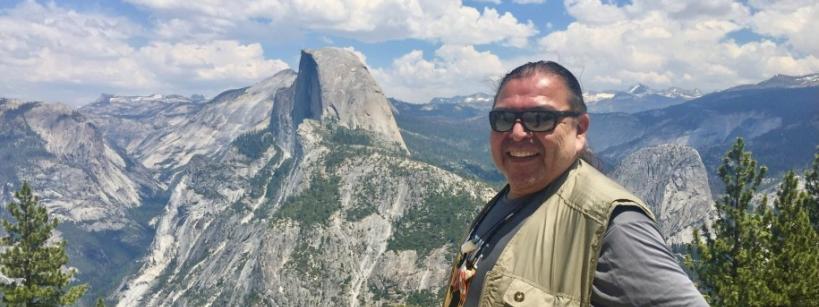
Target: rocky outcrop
[
  {"x": 76, "y": 174},
  {"x": 220, "y": 121},
  {"x": 673, "y": 182},
  {"x": 334, "y": 85},
  {"x": 316, "y": 209},
  {"x": 165, "y": 132},
  {"x": 127, "y": 121}
]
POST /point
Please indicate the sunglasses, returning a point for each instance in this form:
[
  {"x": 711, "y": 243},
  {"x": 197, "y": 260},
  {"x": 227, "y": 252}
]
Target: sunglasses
[{"x": 535, "y": 120}]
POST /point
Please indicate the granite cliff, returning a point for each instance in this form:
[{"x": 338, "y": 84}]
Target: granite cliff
[
  {"x": 323, "y": 206},
  {"x": 673, "y": 182}
]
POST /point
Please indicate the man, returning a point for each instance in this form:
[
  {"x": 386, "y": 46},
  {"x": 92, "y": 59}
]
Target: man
[{"x": 560, "y": 233}]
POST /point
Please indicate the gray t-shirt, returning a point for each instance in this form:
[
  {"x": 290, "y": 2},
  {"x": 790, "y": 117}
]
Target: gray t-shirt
[{"x": 635, "y": 267}]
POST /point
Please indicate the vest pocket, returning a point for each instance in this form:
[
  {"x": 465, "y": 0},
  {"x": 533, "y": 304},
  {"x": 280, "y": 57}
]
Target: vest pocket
[{"x": 520, "y": 294}]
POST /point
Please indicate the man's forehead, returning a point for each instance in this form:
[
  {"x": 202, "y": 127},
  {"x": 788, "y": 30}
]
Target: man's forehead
[
  {"x": 534, "y": 85},
  {"x": 529, "y": 108}
]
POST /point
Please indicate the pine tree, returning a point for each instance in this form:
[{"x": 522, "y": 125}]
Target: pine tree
[
  {"x": 795, "y": 256},
  {"x": 30, "y": 259},
  {"x": 812, "y": 188},
  {"x": 731, "y": 263}
]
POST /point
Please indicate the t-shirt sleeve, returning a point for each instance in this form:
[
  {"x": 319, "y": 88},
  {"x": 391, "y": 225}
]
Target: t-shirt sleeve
[{"x": 636, "y": 268}]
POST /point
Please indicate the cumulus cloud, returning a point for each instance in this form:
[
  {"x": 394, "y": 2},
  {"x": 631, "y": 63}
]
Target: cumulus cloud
[
  {"x": 453, "y": 70},
  {"x": 445, "y": 21},
  {"x": 795, "y": 21},
  {"x": 216, "y": 61},
  {"x": 51, "y": 53},
  {"x": 679, "y": 43}
]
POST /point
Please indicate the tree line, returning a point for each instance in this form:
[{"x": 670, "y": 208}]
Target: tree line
[{"x": 755, "y": 254}]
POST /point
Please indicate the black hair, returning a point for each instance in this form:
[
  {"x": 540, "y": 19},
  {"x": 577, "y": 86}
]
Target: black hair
[{"x": 576, "y": 102}]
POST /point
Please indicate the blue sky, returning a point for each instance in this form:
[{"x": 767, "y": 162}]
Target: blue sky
[{"x": 71, "y": 51}]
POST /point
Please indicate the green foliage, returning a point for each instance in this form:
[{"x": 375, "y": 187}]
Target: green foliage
[
  {"x": 795, "y": 249},
  {"x": 812, "y": 188},
  {"x": 423, "y": 298},
  {"x": 274, "y": 185},
  {"x": 99, "y": 303},
  {"x": 342, "y": 135},
  {"x": 315, "y": 204},
  {"x": 757, "y": 256},
  {"x": 306, "y": 260},
  {"x": 32, "y": 260},
  {"x": 365, "y": 197},
  {"x": 732, "y": 260},
  {"x": 441, "y": 219},
  {"x": 254, "y": 144}
]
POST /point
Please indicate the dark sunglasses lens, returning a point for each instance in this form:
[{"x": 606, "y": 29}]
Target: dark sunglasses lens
[
  {"x": 539, "y": 121},
  {"x": 502, "y": 121}
]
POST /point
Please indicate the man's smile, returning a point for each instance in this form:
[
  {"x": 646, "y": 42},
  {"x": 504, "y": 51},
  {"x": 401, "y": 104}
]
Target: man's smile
[{"x": 521, "y": 153}]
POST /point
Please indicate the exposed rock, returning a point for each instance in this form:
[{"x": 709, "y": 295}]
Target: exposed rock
[
  {"x": 323, "y": 213},
  {"x": 334, "y": 85},
  {"x": 673, "y": 182},
  {"x": 220, "y": 121},
  {"x": 128, "y": 120},
  {"x": 77, "y": 176},
  {"x": 222, "y": 241},
  {"x": 166, "y": 132}
]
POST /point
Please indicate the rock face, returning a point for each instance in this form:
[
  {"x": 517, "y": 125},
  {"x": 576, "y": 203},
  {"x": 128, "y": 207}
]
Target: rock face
[
  {"x": 181, "y": 129},
  {"x": 77, "y": 175},
  {"x": 672, "y": 180},
  {"x": 323, "y": 206},
  {"x": 129, "y": 120},
  {"x": 334, "y": 85}
]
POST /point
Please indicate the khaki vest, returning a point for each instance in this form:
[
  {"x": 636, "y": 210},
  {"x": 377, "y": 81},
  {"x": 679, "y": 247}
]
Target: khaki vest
[{"x": 552, "y": 258}]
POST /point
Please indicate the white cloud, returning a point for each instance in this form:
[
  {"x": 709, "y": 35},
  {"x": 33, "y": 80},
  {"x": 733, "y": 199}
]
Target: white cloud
[
  {"x": 796, "y": 21},
  {"x": 215, "y": 61},
  {"x": 454, "y": 70},
  {"x": 50, "y": 53},
  {"x": 446, "y": 21},
  {"x": 679, "y": 43},
  {"x": 357, "y": 53}
]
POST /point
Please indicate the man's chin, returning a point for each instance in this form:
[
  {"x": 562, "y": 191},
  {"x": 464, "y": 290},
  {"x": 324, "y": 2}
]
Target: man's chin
[{"x": 526, "y": 185}]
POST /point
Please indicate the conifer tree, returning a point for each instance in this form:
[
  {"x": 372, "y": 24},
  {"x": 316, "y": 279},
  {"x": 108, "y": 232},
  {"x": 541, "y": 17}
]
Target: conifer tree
[
  {"x": 731, "y": 263},
  {"x": 35, "y": 264},
  {"x": 812, "y": 188},
  {"x": 794, "y": 252}
]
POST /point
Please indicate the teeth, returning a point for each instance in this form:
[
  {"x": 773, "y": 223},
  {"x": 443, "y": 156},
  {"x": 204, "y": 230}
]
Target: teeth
[{"x": 521, "y": 154}]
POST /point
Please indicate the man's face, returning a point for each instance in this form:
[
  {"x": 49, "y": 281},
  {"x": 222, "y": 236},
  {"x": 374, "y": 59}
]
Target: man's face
[{"x": 532, "y": 160}]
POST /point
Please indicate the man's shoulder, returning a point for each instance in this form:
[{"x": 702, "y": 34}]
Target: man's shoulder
[{"x": 595, "y": 194}]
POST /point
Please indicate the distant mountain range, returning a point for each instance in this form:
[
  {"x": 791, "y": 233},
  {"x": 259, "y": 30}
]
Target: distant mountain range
[
  {"x": 782, "y": 81},
  {"x": 779, "y": 118},
  {"x": 636, "y": 99}
]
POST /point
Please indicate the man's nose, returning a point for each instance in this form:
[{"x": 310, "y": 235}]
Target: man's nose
[{"x": 519, "y": 133}]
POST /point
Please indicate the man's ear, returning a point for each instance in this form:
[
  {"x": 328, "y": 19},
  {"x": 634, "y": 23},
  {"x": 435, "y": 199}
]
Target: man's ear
[
  {"x": 583, "y": 124},
  {"x": 582, "y": 130}
]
